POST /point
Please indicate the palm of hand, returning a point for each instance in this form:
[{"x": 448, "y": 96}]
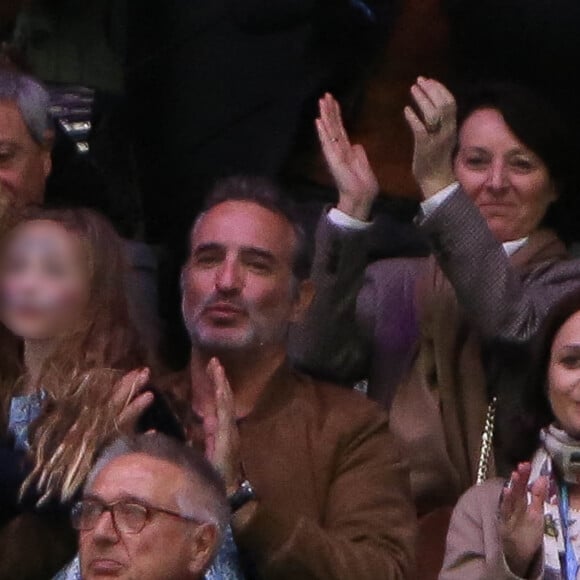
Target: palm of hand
[
  {"x": 350, "y": 168},
  {"x": 353, "y": 174},
  {"x": 521, "y": 523}
]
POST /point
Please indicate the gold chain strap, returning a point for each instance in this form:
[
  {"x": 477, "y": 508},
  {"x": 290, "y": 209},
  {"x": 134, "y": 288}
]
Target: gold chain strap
[{"x": 486, "y": 442}]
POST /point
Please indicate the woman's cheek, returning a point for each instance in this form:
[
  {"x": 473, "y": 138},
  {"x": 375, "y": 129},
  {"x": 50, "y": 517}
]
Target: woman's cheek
[{"x": 66, "y": 304}]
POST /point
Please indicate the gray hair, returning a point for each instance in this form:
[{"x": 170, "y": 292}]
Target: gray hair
[
  {"x": 32, "y": 100},
  {"x": 208, "y": 506}
]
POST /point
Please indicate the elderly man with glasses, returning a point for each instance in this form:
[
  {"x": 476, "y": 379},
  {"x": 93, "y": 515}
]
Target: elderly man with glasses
[{"x": 152, "y": 508}]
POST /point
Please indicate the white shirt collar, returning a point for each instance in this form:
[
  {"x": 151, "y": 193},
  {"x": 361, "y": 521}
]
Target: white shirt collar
[{"x": 510, "y": 248}]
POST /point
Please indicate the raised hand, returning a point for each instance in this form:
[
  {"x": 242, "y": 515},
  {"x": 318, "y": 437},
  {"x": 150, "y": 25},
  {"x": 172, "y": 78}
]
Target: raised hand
[
  {"x": 350, "y": 168},
  {"x": 130, "y": 404},
  {"x": 435, "y": 133},
  {"x": 222, "y": 438},
  {"x": 521, "y": 526}
]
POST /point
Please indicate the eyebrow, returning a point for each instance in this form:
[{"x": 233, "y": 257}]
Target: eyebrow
[
  {"x": 571, "y": 346},
  {"x": 516, "y": 151},
  {"x": 209, "y": 246},
  {"x": 259, "y": 252},
  {"x": 46, "y": 248},
  {"x": 247, "y": 250},
  {"x": 123, "y": 497}
]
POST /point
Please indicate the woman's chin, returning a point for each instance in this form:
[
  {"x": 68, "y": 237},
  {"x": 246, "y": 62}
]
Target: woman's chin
[
  {"x": 31, "y": 334},
  {"x": 503, "y": 232}
]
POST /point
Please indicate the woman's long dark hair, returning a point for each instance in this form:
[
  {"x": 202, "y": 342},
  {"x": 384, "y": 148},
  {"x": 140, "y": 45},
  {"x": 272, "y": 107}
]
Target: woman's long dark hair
[{"x": 524, "y": 408}]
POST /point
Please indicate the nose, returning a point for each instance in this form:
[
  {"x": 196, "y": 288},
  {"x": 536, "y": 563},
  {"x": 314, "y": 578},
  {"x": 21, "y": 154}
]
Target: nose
[
  {"x": 497, "y": 178},
  {"x": 105, "y": 530},
  {"x": 229, "y": 277}
]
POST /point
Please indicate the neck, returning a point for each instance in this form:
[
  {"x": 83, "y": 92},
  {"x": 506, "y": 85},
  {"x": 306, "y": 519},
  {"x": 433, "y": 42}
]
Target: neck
[
  {"x": 247, "y": 372},
  {"x": 35, "y": 354}
]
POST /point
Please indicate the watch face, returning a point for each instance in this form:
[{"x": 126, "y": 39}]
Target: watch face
[{"x": 244, "y": 494}]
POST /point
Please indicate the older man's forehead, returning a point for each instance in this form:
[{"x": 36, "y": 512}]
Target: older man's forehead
[
  {"x": 140, "y": 476},
  {"x": 10, "y": 114},
  {"x": 12, "y": 124}
]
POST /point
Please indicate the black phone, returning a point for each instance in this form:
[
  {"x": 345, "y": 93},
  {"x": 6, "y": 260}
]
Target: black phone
[{"x": 160, "y": 417}]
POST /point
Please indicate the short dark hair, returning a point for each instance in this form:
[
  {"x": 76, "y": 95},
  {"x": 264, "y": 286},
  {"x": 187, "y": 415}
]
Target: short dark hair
[
  {"x": 266, "y": 193},
  {"x": 188, "y": 459},
  {"x": 524, "y": 407},
  {"x": 540, "y": 126}
]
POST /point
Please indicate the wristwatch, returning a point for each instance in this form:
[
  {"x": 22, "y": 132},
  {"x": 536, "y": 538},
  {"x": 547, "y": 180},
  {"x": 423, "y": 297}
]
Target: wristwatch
[{"x": 243, "y": 495}]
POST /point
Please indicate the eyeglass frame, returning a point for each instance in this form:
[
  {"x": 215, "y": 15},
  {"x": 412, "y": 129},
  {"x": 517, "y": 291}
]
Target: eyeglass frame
[{"x": 149, "y": 511}]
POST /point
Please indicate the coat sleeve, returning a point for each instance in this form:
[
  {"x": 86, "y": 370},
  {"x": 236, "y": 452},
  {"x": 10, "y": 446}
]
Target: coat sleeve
[
  {"x": 473, "y": 546},
  {"x": 497, "y": 300},
  {"x": 368, "y": 527},
  {"x": 332, "y": 341}
]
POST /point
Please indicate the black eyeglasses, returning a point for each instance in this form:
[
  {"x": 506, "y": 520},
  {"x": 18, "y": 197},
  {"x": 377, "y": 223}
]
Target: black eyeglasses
[{"x": 129, "y": 516}]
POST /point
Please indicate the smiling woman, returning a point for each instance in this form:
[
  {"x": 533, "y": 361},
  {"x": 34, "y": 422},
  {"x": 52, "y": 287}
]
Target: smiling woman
[
  {"x": 507, "y": 181},
  {"x": 429, "y": 333},
  {"x": 514, "y": 159},
  {"x": 529, "y": 527}
]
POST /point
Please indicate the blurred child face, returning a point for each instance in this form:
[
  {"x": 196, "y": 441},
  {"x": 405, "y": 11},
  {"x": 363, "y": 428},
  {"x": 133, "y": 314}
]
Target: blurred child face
[{"x": 44, "y": 281}]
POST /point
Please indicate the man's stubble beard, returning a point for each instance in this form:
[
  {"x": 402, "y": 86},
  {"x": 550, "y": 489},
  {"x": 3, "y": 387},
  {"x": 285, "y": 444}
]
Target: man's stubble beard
[{"x": 255, "y": 337}]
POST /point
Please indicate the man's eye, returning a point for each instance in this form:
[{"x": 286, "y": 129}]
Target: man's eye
[
  {"x": 205, "y": 259},
  {"x": 259, "y": 266}
]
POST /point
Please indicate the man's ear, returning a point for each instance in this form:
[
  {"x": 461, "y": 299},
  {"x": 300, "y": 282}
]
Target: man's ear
[
  {"x": 203, "y": 548},
  {"x": 304, "y": 296}
]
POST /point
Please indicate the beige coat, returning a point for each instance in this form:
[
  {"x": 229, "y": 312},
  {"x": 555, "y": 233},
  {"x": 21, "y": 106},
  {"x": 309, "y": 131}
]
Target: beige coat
[{"x": 473, "y": 544}]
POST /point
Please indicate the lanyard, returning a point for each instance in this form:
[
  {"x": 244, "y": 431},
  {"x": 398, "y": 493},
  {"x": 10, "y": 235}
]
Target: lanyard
[{"x": 568, "y": 560}]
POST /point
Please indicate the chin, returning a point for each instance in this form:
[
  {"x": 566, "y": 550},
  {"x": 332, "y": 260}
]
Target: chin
[
  {"x": 30, "y": 333},
  {"x": 502, "y": 234},
  {"x": 223, "y": 340}
]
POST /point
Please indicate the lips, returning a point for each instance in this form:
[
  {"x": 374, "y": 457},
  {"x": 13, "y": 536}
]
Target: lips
[
  {"x": 498, "y": 205},
  {"x": 224, "y": 309},
  {"x": 106, "y": 567}
]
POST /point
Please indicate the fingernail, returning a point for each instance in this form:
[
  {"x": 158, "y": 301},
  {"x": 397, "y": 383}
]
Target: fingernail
[{"x": 144, "y": 373}]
